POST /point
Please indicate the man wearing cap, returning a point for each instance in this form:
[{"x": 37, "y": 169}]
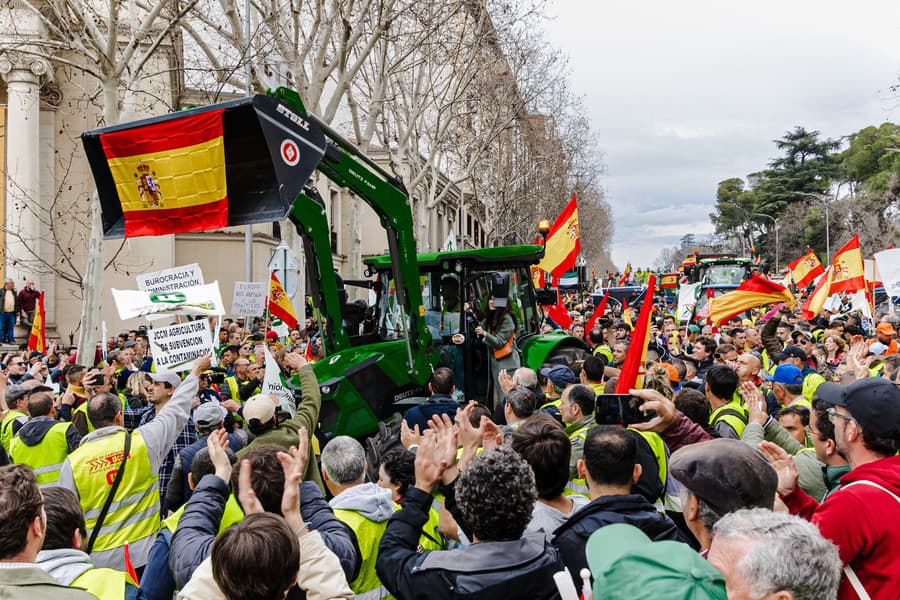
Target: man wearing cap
[
  {"x": 787, "y": 386},
  {"x": 862, "y": 517},
  {"x": 719, "y": 477},
  {"x": 91, "y": 472},
  {"x": 794, "y": 355},
  {"x": 625, "y": 563},
  {"x": 162, "y": 389},
  {"x": 557, "y": 378},
  {"x": 43, "y": 442},
  {"x": 269, "y": 425},
  {"x": 885, "y": 334}
]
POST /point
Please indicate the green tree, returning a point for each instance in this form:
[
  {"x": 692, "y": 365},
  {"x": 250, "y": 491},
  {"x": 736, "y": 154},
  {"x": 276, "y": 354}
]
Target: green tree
[{"x": 735, "y": 203}]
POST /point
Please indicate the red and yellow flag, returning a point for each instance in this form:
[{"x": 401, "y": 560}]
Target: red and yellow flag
[
  {"x": 279, "y": 303},
  {"x": 563, "y": 242},
  {"x": 848, "y": 273},
  {"x": 636, "y": 357},
  {"x": 813, "y": 305},
  {"x": 805, "y": 269},
  {"x": 37, "y": 339},
  {"x": 668, "y": 281},
  {"x": 754, "y": 292},
  {"x": 170, "y": 176},
  {"x": 626, "y": 274}
]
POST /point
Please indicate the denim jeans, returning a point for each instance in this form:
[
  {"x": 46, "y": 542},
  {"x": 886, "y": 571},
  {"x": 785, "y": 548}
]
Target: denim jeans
[{"x": 8, "y": 327}]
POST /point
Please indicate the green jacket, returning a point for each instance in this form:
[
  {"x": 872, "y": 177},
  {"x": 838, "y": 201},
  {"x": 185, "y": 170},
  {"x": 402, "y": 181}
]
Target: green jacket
[
  {"x": 808, "y": 465},
  {"x": 285, "y": 435},
  {"x": 31, "y": 583}
]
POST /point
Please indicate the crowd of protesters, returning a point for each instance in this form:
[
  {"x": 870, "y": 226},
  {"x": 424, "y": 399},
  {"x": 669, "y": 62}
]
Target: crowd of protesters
[{"x": 764, "y": 466}]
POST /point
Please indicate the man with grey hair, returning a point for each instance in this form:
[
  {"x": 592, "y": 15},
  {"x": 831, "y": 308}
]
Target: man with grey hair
[
  {"x": 765, "y": 554},
  {"x": 364, "y": 507},
  {"x": 519, "y": 405}
]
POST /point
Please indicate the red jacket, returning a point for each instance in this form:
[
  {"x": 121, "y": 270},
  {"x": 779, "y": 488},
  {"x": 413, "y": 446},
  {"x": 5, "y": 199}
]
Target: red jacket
[{"x": 864, "y": 523}]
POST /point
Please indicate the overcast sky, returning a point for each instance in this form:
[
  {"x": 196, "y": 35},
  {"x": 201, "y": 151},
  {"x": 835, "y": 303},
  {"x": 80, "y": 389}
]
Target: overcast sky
[{"x": 685, "y": 94}]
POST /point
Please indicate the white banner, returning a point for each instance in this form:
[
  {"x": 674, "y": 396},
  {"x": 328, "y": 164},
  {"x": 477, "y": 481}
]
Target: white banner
[
  {"x": 272, "y": 385},
  {"x": 687, "y": 299},
  {"x": 201, "y": 300},
  {"x": 176, "y": 347},
  {"x": 859, "y": 302},
  {"x": 176, "y": 278},
  {"x": 249, "y": 299},
  {"x": 888, "y": 263}
]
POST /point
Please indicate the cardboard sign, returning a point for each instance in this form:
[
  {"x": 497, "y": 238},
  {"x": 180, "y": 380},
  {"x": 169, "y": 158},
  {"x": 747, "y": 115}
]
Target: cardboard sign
[
  {"x": 200, "y": 300},
  {"x": 176, "y": 278},
  {"x": 176, "y": 347},
  {"x": 249, "y": 299}
]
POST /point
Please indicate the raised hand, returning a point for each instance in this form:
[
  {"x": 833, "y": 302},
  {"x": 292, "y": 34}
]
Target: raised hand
[
  {"x": 492, "y": 437},
  {"x": 665, "y": 410},
  {"x": 217, "y": 444},
  {"x": 247, "y": 497},
  {"x": 784, "y": 466},
  {"x": 293, "y": 463},
  {"x": 429, "y": 464},
  {"x": 409, "y": 437},
  {"x": 756, "y": 403}
]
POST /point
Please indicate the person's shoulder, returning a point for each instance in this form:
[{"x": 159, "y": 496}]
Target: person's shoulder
[{"x": 32, "y": 583}]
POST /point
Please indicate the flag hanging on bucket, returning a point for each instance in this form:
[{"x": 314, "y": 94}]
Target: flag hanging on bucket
[{"x": 170, "y": 175}]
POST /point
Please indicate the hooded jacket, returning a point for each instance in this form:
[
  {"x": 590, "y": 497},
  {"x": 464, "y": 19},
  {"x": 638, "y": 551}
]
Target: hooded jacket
[
  {"x": 32, "y": 433},
  {"x": 864, "y": 523},
  {"x": 516, "y": 569},
  {"x": 370, "y": 500},
  {"x": 65, "y": 565},
  {"x": 633, "y": 509}
]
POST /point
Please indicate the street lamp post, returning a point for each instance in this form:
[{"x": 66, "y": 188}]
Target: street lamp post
[
  {"x": 824, "y": 202},
  {"x": 775, "y": 221}
]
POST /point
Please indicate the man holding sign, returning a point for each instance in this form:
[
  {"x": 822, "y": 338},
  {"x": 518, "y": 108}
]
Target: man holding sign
[{"x": 270, "y": 426}]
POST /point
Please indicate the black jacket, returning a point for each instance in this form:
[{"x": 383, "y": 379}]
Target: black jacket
[
  {"x": 572, "y": 536},
  {"x": 521, "y": 568}
]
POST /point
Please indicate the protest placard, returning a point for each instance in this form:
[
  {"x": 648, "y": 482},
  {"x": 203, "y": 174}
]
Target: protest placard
[
  {"x": 176, "y": 278},
  {"x": 687, "y": 300},
  {"x": 176, "y": 347},
  {"x": 888, "y": 270},
  {"x": 249, "y": 299},
  {"x": 200, "y": 300},
  {"x": 273, "y": 386}
]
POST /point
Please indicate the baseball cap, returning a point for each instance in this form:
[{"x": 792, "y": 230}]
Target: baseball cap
[
  {"x": 271, "y": 335},
  {"x": 623, "y": 325},
  {"x": 694, "y": 328},
  {"x": 672, "y": 372},
  {"x": 886, "y": 329},
  {"x": 560, "y": 375},
  {"x": 726, "y": 474},
  {"x": 786, "y": 374},
  {"x": 791, "y": 351},
  {"x": 260, "y": 407},
  {"x": 15, "y": 392},
  {"x": 209, "y": 413},
  {"x": 35, "y": 354},
  {"x": 797, "y": 333},
  {"x": 873, "y": 402},
  {"x": 171, "y": 378},
  {"x": 625, "y": 563},
  {"x": 129, "y": 344},
  {"x": 877, "y": 348}
]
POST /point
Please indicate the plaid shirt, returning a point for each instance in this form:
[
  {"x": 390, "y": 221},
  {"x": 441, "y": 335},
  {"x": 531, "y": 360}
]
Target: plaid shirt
[{"x": 134, "y": 418}]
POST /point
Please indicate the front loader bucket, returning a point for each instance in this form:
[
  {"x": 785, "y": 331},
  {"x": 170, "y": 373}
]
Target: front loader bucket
[{"x": 233, "y": 163}]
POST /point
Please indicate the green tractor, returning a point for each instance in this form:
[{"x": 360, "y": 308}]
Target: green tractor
[{"x": 377, "y": 360}]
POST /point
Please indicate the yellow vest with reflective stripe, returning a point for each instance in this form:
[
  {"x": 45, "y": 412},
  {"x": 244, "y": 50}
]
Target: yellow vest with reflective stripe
[
  {"x": 46, "y": 458},
  {"x": 578, "y": 485},
  {"x": 368, "y": 536},
  {"x": 233, "y": 388},
  {"x": 106, "y": 584},
  {"x": 554, "y": 403},
  {"x": 736, "y": 422},
  {"x": 6, "y": 432},
  {"x": 82, "y": 408},
  {"x": 659, "y": 451},
  {"x": 233, "y": 514},
  {"x": 134, "y": 512}
]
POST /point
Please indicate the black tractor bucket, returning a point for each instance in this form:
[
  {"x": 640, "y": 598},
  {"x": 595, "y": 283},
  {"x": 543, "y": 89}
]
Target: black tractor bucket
[{"x": 234, "y": 163}]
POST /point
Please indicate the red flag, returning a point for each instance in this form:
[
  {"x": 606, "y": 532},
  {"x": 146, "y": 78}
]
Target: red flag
[
  {"x": 636, "y": 356},
  {"x": 563, "y": 242},
  {"x": 599, "y": 312},
  {"x": 754, "y": 292},
  {"x": 129, "y": 566},
  {"x": 559, "y": 313}
]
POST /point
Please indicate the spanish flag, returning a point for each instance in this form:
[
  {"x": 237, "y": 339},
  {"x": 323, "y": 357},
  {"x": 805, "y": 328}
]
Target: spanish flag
[
  {"x": 847, "y": 266},
  {"x": 563, "y": 242},
  {"x": 624, "y": 279},
  {"x": 668, "y": 281},
  {"x": 813, "y": 305},
  {"x": 279, "y": 304},
  {"x": 754, "y": 292},
  {"x": 170, "y": 176},
  {"x": 631, "y": 376},
  {"x": 805, "y": 269},
  {"x": 37, "y": 339}
]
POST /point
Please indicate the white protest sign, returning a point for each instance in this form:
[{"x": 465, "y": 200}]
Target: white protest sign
[
  {"x": 687, "y": 300},
  {"x": 888, "y": 263},
  {"x": 273, "y": 386},
  {"x": 176, "y": 347},
  {"x": 200, "y": 300},
  {"x": 249, "y": 299},
  {"x": 176, "y": 278}
]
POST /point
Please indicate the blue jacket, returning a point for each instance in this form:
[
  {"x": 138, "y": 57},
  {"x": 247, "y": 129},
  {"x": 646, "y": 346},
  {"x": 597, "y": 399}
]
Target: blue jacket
[
  {"x": 198, "y": 526},
  {"x": 437, "y": 404}
]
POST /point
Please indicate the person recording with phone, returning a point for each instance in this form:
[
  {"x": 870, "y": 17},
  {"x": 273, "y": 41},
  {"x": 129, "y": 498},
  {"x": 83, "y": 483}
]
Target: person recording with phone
[{"x": 498, "y": 331}]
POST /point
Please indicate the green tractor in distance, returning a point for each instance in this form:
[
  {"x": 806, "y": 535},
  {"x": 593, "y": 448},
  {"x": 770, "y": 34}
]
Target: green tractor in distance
[
  {"x": 272, "y": 146},
  {"x": 455, "y": 288}
]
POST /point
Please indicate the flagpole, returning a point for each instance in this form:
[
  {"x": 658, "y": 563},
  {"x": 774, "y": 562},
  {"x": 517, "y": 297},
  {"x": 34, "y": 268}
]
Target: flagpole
[{"x": 268, "y": 299}]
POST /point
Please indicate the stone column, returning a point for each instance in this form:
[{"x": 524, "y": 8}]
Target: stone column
[{"x": 23, "y": 75}]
